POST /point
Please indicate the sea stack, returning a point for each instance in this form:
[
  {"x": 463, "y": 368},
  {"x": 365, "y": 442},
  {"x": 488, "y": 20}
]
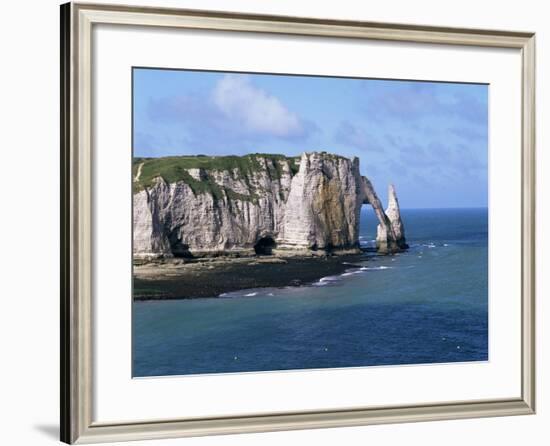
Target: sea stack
[
  {"x": 391, "y": 238},
  {"x": 196, "y": 206}
]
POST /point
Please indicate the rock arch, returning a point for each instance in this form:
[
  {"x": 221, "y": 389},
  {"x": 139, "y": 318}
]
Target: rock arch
[{"x": 390, "y": 234}]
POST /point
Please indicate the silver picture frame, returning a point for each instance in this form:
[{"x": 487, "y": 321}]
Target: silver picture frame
[{"x": 77, "y": 22}]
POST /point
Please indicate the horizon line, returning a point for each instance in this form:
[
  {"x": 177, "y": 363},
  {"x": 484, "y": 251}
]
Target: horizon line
[{"x": 438, "y": 208}]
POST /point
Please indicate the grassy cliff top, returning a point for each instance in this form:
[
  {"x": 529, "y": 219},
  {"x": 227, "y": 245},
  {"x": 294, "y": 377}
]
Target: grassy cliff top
[{"x": 175, "y": 168}]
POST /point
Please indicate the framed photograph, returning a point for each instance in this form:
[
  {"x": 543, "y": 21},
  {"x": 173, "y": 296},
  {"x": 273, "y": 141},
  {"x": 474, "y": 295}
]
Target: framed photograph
[{"x": 274, "y": 223}]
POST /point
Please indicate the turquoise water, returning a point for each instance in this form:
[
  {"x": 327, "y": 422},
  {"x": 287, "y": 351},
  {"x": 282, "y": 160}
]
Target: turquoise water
[{"x": 427, "y": 305}]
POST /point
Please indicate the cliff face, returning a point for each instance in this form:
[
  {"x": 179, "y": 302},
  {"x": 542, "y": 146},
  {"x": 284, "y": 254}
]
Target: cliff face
[
  {"x": 323, "y": 204},
  {"x": 189, "y": 206}
]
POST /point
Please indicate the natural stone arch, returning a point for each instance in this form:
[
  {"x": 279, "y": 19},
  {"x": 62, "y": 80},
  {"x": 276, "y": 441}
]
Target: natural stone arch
[{"x": 390, "y": 235}]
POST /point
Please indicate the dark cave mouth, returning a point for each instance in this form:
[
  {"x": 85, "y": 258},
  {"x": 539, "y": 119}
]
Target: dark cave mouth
[{"x": 264, "y": 246}]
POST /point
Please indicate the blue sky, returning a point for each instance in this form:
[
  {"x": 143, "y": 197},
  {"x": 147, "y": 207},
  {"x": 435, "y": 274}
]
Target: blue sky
[{"x": 429, "y": 139}]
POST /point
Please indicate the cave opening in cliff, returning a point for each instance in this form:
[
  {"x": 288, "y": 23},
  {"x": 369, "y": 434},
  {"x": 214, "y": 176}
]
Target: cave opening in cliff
[
  {"x": 178, "y": 248},
  {"x": 264, "y": 246}
]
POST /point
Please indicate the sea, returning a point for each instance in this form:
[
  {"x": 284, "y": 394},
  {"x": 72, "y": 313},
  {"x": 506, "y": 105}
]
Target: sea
[{"x": 423, "y": 306}]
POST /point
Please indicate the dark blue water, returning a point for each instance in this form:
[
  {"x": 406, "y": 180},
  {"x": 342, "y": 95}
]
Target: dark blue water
[{"x": 428, "y": 305}]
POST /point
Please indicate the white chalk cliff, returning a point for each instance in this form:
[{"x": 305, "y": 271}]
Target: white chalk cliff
[{"x": 281, "y": 205}]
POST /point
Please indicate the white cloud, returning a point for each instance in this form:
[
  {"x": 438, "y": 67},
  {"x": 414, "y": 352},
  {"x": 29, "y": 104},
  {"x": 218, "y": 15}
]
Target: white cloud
[{"x": 254, "y": 109}]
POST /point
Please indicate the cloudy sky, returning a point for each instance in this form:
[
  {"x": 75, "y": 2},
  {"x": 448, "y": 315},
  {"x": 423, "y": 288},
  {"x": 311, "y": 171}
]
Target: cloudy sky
[{"x": 429, "y": 139}]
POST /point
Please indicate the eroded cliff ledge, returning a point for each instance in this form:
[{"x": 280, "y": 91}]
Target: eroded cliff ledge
[{"x": 255, "y": 204}]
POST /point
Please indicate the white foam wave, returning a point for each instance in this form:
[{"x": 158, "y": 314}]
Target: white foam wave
[
  {"x": 327, "y": 280},
  {"x": 351, "y": 272},
  {"x": 424, "y": 245},
  {"x": 375, "y": 268}
]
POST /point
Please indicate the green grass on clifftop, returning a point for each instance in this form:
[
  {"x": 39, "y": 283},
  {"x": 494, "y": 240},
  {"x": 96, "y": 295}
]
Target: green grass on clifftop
[{"x": 175, "y": 168}]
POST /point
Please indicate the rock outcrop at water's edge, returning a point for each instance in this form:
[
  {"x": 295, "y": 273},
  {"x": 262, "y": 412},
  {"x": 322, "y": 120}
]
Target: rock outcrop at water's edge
[
  {"x": 255, "y": 204},
  {"x": 388, "y": 242}
]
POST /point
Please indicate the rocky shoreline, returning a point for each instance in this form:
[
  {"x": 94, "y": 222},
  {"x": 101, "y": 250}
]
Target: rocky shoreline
[
  {"x": 210, "y": 277},
  {"x": 204, "y": 226}
]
